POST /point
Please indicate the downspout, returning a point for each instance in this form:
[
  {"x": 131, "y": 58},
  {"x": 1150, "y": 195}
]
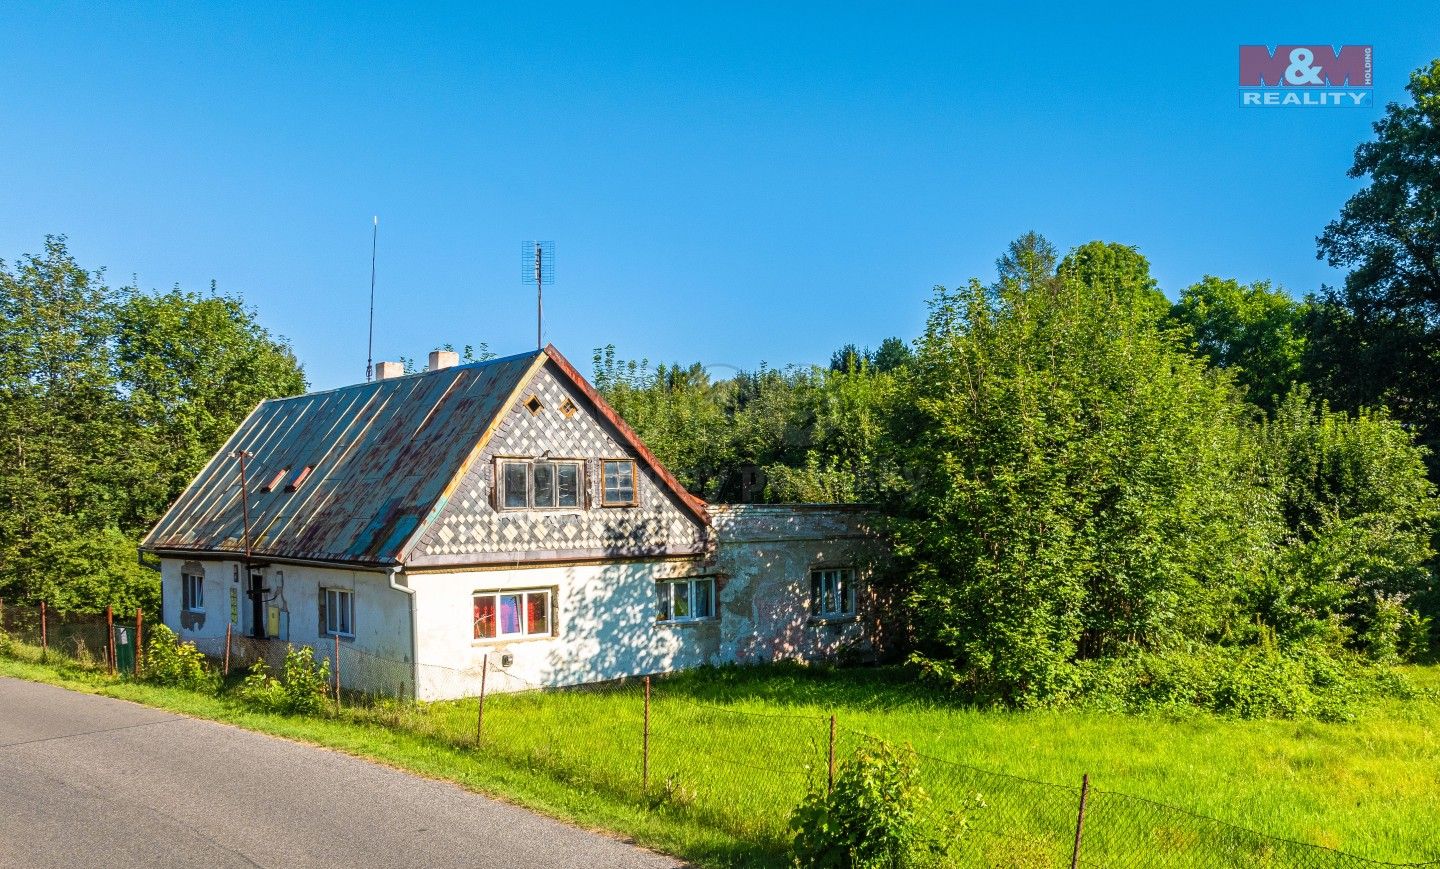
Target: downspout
[{"x": 414, "y": 633}]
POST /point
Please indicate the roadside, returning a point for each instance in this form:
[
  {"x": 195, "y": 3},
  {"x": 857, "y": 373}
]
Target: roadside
[
  {"x": 89, "y": 777},
  {"x": 433, "y": 759}
]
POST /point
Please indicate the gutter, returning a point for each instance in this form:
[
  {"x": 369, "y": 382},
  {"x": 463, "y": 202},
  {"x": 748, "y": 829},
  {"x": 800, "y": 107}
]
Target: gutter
[{"x": 414, "y": 628}]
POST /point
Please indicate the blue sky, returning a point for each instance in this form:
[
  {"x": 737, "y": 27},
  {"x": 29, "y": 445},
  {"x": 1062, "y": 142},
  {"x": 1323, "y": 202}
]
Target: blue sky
[{"x": 728, "y": 184}]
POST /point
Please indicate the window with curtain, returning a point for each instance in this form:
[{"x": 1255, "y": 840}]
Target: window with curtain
[{"x": 501, "y": 615}]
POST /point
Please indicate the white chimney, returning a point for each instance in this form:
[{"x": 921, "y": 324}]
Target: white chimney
[
  {"x": 387, "y": 370},
  {"x": 443, "y": 359}
]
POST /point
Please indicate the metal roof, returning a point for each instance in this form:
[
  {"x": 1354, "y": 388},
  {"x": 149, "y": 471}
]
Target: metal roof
[{"x": 382, "y": 454}]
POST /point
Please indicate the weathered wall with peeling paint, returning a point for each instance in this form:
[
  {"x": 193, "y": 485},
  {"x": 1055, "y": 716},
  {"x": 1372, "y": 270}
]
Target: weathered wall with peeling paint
[
  {"x": 606, "y": 628},
  {"x": 382, "y": 614},
  {"x": 605, "y": 611},
  {"x": 766, "y": 553}
]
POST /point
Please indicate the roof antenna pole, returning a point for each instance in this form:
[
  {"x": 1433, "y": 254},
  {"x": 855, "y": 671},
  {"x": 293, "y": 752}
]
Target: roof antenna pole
[
  {"x": 370, "y": 342},
  {"x": 537, "y": 263}
]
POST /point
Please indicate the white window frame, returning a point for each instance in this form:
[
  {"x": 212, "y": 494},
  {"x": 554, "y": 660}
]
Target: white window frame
[
  {"x": 823, "y": 584},
  {"x": 526, "y": 632},
  {"x": 334, "y": 597},
  {"x": 634, "y": 484},
  {"x": 694, "y": 588},
  {"x": 501, "y": 483},
  {"x": 192, "y": 589}
]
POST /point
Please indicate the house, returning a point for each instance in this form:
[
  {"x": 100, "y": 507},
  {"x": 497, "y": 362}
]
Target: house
[{"x": 497, "y": 512}]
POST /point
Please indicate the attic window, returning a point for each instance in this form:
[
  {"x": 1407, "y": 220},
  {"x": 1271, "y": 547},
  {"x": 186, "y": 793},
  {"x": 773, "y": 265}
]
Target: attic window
[
  {"x": 568, "y": 408},
  {"x": 300, "y": 479},
  {"x": 275, "y": 480},
  {"x": 533, "y": 405}
]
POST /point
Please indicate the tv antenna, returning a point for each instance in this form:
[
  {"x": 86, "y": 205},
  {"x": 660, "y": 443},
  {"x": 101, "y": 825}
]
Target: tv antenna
[
  {"x": 537, "y": 263},
  {"x": 370, "y": 342}
]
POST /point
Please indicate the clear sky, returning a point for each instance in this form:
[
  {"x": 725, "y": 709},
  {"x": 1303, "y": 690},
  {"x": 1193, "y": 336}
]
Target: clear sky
[{"x": 728, "y": 184}]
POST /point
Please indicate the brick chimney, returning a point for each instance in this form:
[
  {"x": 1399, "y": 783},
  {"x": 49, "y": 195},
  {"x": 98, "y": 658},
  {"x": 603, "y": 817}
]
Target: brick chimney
[
  {"x": 387, "y": 370},
  {"x": 443, "y": 359}
]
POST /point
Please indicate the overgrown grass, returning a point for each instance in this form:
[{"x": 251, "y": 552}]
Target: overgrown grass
[{"x": 733, "y": 751}]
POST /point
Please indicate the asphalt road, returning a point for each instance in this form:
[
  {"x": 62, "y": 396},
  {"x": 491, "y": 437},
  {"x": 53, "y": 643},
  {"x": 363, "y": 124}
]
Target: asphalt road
[{"x": 91, "y": 781}]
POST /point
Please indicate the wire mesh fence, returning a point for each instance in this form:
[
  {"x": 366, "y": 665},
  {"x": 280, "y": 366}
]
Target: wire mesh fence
[
  {"x": 106, "y": 640},
  {"x": 727, "y": 765}
]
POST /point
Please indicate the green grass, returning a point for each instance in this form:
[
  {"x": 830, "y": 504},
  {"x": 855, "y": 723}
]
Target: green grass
[{"x": 733, "y": 750}]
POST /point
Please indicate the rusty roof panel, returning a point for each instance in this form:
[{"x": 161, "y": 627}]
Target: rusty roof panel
[{"x": 382, "y": 454}]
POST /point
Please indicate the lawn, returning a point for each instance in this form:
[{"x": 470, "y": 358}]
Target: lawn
[{"x": 733, "y": 750}]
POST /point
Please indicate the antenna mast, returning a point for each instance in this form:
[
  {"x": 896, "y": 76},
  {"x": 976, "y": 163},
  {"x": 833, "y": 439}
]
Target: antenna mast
[
  {"x": 537, "y": 263},
  {"x": 370, "y": 342}
]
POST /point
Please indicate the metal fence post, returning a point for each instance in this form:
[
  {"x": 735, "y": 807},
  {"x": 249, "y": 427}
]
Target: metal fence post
[
  {"x": 1080, "y": 821},
  {"x": 225, "y": 669},
  {"x": 480, "y": 712},
  {"x": 139, "y": 638},
  {"x": 110, "y": 629},
  {"x": 44, "y": 634},
  {"x": 645, "y": 746},
  {"x": 337, "y": 672},
  {"x": 830, "y": 788}
]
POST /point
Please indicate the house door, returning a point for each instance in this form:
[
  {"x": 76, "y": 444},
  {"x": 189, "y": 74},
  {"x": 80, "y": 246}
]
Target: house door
[{"x": 257, "y": 605}]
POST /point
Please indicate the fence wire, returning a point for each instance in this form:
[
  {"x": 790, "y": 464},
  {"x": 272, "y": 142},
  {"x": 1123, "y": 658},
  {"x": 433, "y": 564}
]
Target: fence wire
[{"x": 725, "y": 765}]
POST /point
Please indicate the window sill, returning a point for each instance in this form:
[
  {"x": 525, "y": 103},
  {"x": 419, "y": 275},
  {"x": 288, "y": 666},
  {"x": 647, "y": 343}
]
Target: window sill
[
  {"x": 194, "y": 612},
  {"x": 330, "y": 635},
  {"x": 494, "y": 642},
  {"x": 822, "y": 621},
  {"x": 686, "y": 623}
]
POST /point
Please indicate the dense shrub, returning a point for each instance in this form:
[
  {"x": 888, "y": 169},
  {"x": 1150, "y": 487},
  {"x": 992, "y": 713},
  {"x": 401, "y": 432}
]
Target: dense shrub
[
  {"x": 1085, "y": 489},
  {"x": 167, "y": 661},
  {"x": 302, "y": 688},
  {"x": 872, "y": 820},
  {"x": 1258, "y": 681}
]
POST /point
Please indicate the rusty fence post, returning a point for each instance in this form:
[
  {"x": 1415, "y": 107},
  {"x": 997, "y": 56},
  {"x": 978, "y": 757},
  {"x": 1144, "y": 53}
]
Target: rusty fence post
[
  {"x": 139, "y": 637},
  {"x": 645, "y": 746},
  {"x": 480, "y": 714},
  {"x": 830, "y": 758},
  {"x": 337, "y": 672},
  {"x": 1080, "y": 821},
  {"x": 225, "y": 669},
  {"x": 44, "y": 634},
  {"x": 110, "y": 629}
]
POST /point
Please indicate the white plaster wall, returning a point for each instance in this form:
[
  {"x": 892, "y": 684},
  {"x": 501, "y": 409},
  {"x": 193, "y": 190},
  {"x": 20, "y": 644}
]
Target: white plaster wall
[
  {"x": 605, "y": 628},
  {"x": 380, "y": 654}
]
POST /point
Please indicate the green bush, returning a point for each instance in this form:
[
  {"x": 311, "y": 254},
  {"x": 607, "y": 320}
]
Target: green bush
[
  {"x": 167, "y": 661},
  {"x": 874, "y": 818},
  {"x": 302, "y": 688},
  {"x": 1307, "y": 681}
]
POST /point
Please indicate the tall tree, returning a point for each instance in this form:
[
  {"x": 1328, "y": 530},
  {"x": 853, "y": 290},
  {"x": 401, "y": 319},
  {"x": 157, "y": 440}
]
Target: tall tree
[
  {"x": 190, "y": 368},
  {"x": 109, "y": 403},
  {"x": 1118, "y": 270},
  {"x": 1378, "y": 338},
  {"x": 1078, "y": 481},
  {"x": 1255, "y": 332},
  {"x": 62, "y": 433}
]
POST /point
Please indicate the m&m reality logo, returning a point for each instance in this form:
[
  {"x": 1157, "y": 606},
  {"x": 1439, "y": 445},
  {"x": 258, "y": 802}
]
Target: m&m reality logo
[{"x": 1306, "y": 75}]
